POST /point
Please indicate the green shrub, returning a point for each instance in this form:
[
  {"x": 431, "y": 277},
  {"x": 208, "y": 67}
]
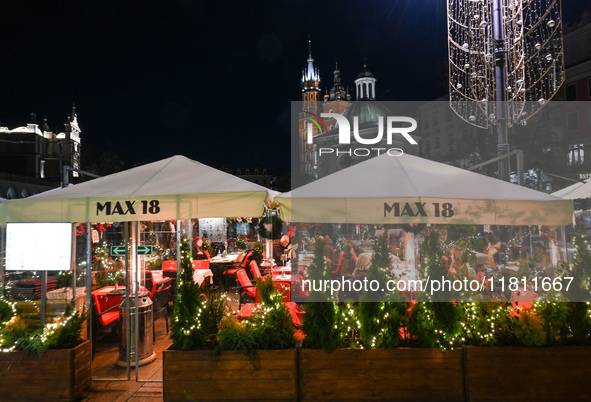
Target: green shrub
[
  {"x": 67, "y": 332},
  {"x": 481, "y": 321},
  {"x": 320, "y": 320},
  {"x": 554, "y": 319},
  {"x": 235, "y": 335},
  {"x": 436, "y": 325},
  {"x": 196, "y": 314},
  {"x": 579, "y": 322},
  {"x": 272, "y": 324},
  {"x": 381, "y": 320},
  {"x": 529, "y": 329}
]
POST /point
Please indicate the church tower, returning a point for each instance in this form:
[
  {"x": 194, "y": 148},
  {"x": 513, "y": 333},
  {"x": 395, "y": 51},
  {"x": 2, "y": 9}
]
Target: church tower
[
  {"x": 365, "y": 85},
  {"x": 338, "y": 100},
  {"x": 71, "y": 141},
  {"x": 310, "y": 90}
]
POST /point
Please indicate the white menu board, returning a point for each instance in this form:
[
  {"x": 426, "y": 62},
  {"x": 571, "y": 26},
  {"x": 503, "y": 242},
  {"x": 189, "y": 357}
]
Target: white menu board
[{"x": 39, "y": 246}]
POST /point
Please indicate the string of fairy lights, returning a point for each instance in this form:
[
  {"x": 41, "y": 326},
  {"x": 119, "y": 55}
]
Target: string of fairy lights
[
  {"x": 48, "y": 330},
  {"x": 534, "y": 58}
]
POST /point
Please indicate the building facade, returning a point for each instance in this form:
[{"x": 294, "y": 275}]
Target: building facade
[
  {"x": 577, "y": 94},
  {"x": 32, "y": 157}
]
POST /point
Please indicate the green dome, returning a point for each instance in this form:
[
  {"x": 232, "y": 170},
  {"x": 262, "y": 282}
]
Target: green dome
[
  {"x": 365, "y": 73},
  {"x": 368, "y": 113}
]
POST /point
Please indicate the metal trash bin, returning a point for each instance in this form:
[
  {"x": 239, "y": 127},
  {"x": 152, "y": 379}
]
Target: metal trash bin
[{"x": 145, "y": 346}]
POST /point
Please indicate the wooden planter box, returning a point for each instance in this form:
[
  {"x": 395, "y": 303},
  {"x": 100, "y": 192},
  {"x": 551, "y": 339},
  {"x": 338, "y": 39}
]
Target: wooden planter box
[
  {"x": 194, "y": 375},
  {"x": 520, "y": 373},
  {"x": 57, "y": 375},
  {"x": 375, "y": 374}
]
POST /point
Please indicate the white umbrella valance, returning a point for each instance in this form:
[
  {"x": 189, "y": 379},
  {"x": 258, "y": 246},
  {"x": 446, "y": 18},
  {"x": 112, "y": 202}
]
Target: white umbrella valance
[
  {"x": 173, "y": 188},
  {"x": 409, "y": 189}
]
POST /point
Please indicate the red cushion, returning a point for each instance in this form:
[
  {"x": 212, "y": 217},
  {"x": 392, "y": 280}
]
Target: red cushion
[
  {"x": 231, "y": 271},
  {"x": 109, "y": 317}
]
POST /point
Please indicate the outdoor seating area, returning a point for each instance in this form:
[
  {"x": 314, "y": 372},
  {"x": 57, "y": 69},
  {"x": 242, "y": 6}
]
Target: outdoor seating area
[{"x": 348, "y": 281}]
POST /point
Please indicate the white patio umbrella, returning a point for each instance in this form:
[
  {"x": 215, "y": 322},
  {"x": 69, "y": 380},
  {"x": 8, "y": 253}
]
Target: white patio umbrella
[
  {"x": 172, "y": 188},
  {"x": 409, "y": 189},
  {"x": 575, "y": 191}
]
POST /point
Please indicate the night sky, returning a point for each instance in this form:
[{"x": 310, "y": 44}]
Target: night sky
[{"x": 211, "y": 80}]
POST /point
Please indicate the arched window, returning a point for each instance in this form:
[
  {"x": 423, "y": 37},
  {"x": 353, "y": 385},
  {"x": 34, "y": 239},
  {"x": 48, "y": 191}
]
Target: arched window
[
  {"x": 256, "y": 171},
  {"x": 11, "y": 193},
  {"x": 25, "y": 193}
]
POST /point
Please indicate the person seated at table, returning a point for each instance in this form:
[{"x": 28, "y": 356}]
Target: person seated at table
[
  {"x": 361, "y": 266},
  {"x": 198, "y": 252},
  {"x": 459, "y": 267},
  {"x": 280, "y": 248},
  {"x": 359, "y": 274},
  {"x": 492, "y": 248}
]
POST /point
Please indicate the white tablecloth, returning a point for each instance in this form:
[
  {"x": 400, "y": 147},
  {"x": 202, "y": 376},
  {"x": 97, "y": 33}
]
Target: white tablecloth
[
  {"x": 199, "y": 276},
  {"x": 229, "y": 258}
]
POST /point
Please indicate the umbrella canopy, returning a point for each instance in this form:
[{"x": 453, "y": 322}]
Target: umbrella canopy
[
  {"x": 409, "y": 189},
  {"x": 173, "y": 188},
  {"x": 576, "y": 191}
]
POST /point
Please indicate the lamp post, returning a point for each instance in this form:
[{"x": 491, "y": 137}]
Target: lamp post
[
  {"x": 506, "y": 61},
  {"x": 501, "y": 88}
]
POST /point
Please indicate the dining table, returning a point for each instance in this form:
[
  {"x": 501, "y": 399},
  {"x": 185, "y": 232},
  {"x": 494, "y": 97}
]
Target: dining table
[
  {"x": 219, "y": 264},
  {"x": 228, "y": 259},
  {"x": 278, "y": 269}
]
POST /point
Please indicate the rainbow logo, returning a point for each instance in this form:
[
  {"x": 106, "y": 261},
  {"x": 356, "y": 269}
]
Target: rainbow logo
[{"x": 317, "y": 121}]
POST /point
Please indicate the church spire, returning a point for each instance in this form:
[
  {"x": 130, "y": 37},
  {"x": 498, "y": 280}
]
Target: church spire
[
  {"x": 310, "y": 75},
  {"x": 337, "y": 91}
]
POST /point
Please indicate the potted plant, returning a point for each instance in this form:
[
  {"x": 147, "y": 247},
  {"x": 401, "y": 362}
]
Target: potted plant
[
  {"x": 52, "y": 363},
  {"x": 220, "y": 358},
  {"x": 351, "y": 373}
]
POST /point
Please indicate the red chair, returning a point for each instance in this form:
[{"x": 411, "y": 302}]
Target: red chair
[
  {"x": 481, "y": 277},
  {"x": 247, "y": 259},
  {"x": 254, "y": 268},
  {"x": 232, "y": 269},
  {"x": 105, "y": 315},
  {"x": 249, "y": 290},
  {"x": 523, "y": 298},
  {"x": 353, "y": 255},
  {"x": 337, "y": 267}
]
